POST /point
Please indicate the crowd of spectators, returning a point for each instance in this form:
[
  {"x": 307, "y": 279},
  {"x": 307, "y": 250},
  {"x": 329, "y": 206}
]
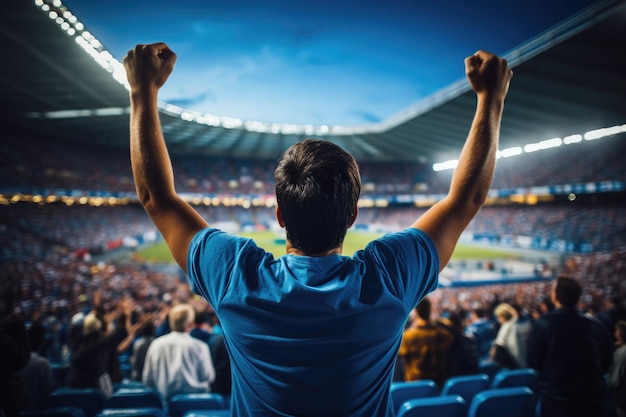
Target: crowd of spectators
[
  {"x": 47, "y": 279},
  {"x": 40, "y": 164}
]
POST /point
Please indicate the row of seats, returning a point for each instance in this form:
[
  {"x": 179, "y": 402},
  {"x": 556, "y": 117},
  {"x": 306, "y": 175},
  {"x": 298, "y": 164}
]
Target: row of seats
[
  {"x": 126, "y": 401},
  {"x": 457, "y": 393},
  {"x": 120, "y": 412},
  {"x": 466, "y": 387},
  {"x": 509, "y": 402}
]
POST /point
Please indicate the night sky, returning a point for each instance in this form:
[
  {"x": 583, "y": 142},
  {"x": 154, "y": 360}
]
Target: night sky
[{"x": 316, "y": 62}]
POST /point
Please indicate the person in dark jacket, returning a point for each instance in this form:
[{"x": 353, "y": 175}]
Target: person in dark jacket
[
  {"x": 93, "y": 348},
  {"x": 462, "y": 357},
  {"x": 14, "y": 355},
  {"x": 571, "y": 351}
]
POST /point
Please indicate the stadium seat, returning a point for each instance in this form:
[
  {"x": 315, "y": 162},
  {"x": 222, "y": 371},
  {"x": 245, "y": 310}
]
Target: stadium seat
[
  {"x": 467, "y": 386},
  {"x": 508, "y": 378},
  {"x": 209, "y": 413},
  {"x": 59, "y": 374},
  {"x": 440, "y": 406},
  {"x": 54, "y": 412},
  {"x": 405, "y": 391},
  {"x": 178, "y": 405},
  {"x": 504, "y": 402},
  {"x": 132, "y": 412},
  {"x": 489, "y": 368},
  {"x": 136, "y": 398},
  {"x": 89, "y": 400},
  {"x": 126, "y": 384}
]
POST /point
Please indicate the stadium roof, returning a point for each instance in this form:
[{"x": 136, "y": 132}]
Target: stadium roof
[{"x": 568, "y": 80}]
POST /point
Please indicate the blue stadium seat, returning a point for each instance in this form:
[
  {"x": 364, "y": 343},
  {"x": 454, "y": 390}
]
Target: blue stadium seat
[
  {"x": 489, "y": 368},
  {"x": 440, "y": 406},
  {"x": 89, "y": 400},
  {"x": 504, "y": 402},
  {"x": 178, "y": 405},
  {"x": 209, "y": 413},
  {"x": 136, "y": 398},
  {"x": 508, "y": 378},
  {"x": 404, "y": 391},
  {"x": 467, "y": 386},
  {"x": 132, "y": 412},
  {"x": 53, "y": 412},
  {"x": 59, "y": 374},
  {"x": 125, "y": 384}
]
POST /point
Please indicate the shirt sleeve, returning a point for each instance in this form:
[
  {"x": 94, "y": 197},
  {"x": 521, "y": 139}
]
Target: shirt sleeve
[
  {"x": 407, "y": 262},
  {"x": 211, "y": 259}
]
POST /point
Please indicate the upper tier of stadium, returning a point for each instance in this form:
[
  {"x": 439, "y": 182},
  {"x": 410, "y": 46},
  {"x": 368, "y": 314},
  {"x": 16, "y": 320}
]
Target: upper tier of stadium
[{"x": 569, "y": 80}]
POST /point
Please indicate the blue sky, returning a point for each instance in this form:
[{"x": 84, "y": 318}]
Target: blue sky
[{"x": 316, "y": 62}]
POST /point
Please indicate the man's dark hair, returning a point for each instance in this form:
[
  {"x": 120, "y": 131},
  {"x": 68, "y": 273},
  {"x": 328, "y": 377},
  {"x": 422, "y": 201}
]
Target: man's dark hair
[
  {"x": 423, "y": 309},
  {"x": 567, "y": 291},
  {"x": 317, "y": 188}
]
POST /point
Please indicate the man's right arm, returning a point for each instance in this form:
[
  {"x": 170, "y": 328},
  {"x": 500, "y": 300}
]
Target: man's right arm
[
  {"x": 147, "y": 68},
  {"x": 444, "y": 222}
]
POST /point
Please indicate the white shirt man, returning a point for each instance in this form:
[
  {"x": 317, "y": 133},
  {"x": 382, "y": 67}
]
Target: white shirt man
[{"x": 177, "y": 363}]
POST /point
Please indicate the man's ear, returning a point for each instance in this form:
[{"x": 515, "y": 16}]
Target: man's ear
[
  {"x": 354, "y": 216},
  {"x": 279, "y": 217}
]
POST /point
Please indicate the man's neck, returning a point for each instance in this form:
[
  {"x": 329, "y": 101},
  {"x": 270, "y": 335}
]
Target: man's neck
[{"x": 291, "y": 250}]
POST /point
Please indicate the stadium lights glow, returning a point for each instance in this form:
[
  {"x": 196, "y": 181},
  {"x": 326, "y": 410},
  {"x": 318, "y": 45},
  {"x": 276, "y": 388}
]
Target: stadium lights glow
[
  {"x": 442, "y": 166},
  {"x": 544, "y": 144},
  {"x": 70, "y": 25},
  {"x": 607, "y": 131},
  {"x": 567, "y": 140},
  {"x": 508, "y": 152}
]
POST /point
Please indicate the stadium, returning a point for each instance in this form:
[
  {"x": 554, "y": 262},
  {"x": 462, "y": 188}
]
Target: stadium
[{"x": 73, "y": 231}]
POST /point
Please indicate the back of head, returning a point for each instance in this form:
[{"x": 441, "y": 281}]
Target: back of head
[
  {"x": 457, "y": 320},
  {"x": 423, "y": 309},
  {"x": 506, "y": 311},
  {"x": 91, "y": 324},
  {"x": 317, "y": 188},
  {"x": 567, "y": 291},
  {"x": 181, "y": 316}
]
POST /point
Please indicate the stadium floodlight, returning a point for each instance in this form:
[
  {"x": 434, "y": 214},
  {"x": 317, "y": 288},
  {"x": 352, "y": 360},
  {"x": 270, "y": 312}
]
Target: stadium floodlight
[
  {"x": 567, "y": 140},
  {"x": 508, "y": 152},
  {"x": 186, "y": 116},
  {"x": 550, "y": 143},
  {"x": 532, "y": 147},
  {"x": 441, "y": 166},
  {"x": 38, "y": 3},
  {"x": 607, "y": 131}
]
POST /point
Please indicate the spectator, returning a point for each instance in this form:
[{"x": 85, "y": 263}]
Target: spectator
[
  {"x": 200, "y": 328},
  {"x": 509, "y": 348},
  {"x": 221, "y": 361},
  {"x": 176, "y": 363},
  {"x": 37, "y": 374},
  {"x": 92, "y": 348},
  {"x": 14, "y": 355},
  {"x": 145, "y": 336},
  {"x": 424, "y": 347},
  {"x": 617, "y": 372},
  {"x": 482, "y": 330},
  {"x": 312, "y": 332},
  {"x": 462, "y": 358},
  {"x": 572, "y": 352}
]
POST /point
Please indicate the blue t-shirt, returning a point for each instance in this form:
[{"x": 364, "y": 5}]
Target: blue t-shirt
[{"x": 312, "y": 336}]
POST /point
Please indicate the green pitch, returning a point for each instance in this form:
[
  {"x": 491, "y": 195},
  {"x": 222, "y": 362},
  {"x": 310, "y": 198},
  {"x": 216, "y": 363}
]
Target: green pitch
[{"x": 354, "y": 241}]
